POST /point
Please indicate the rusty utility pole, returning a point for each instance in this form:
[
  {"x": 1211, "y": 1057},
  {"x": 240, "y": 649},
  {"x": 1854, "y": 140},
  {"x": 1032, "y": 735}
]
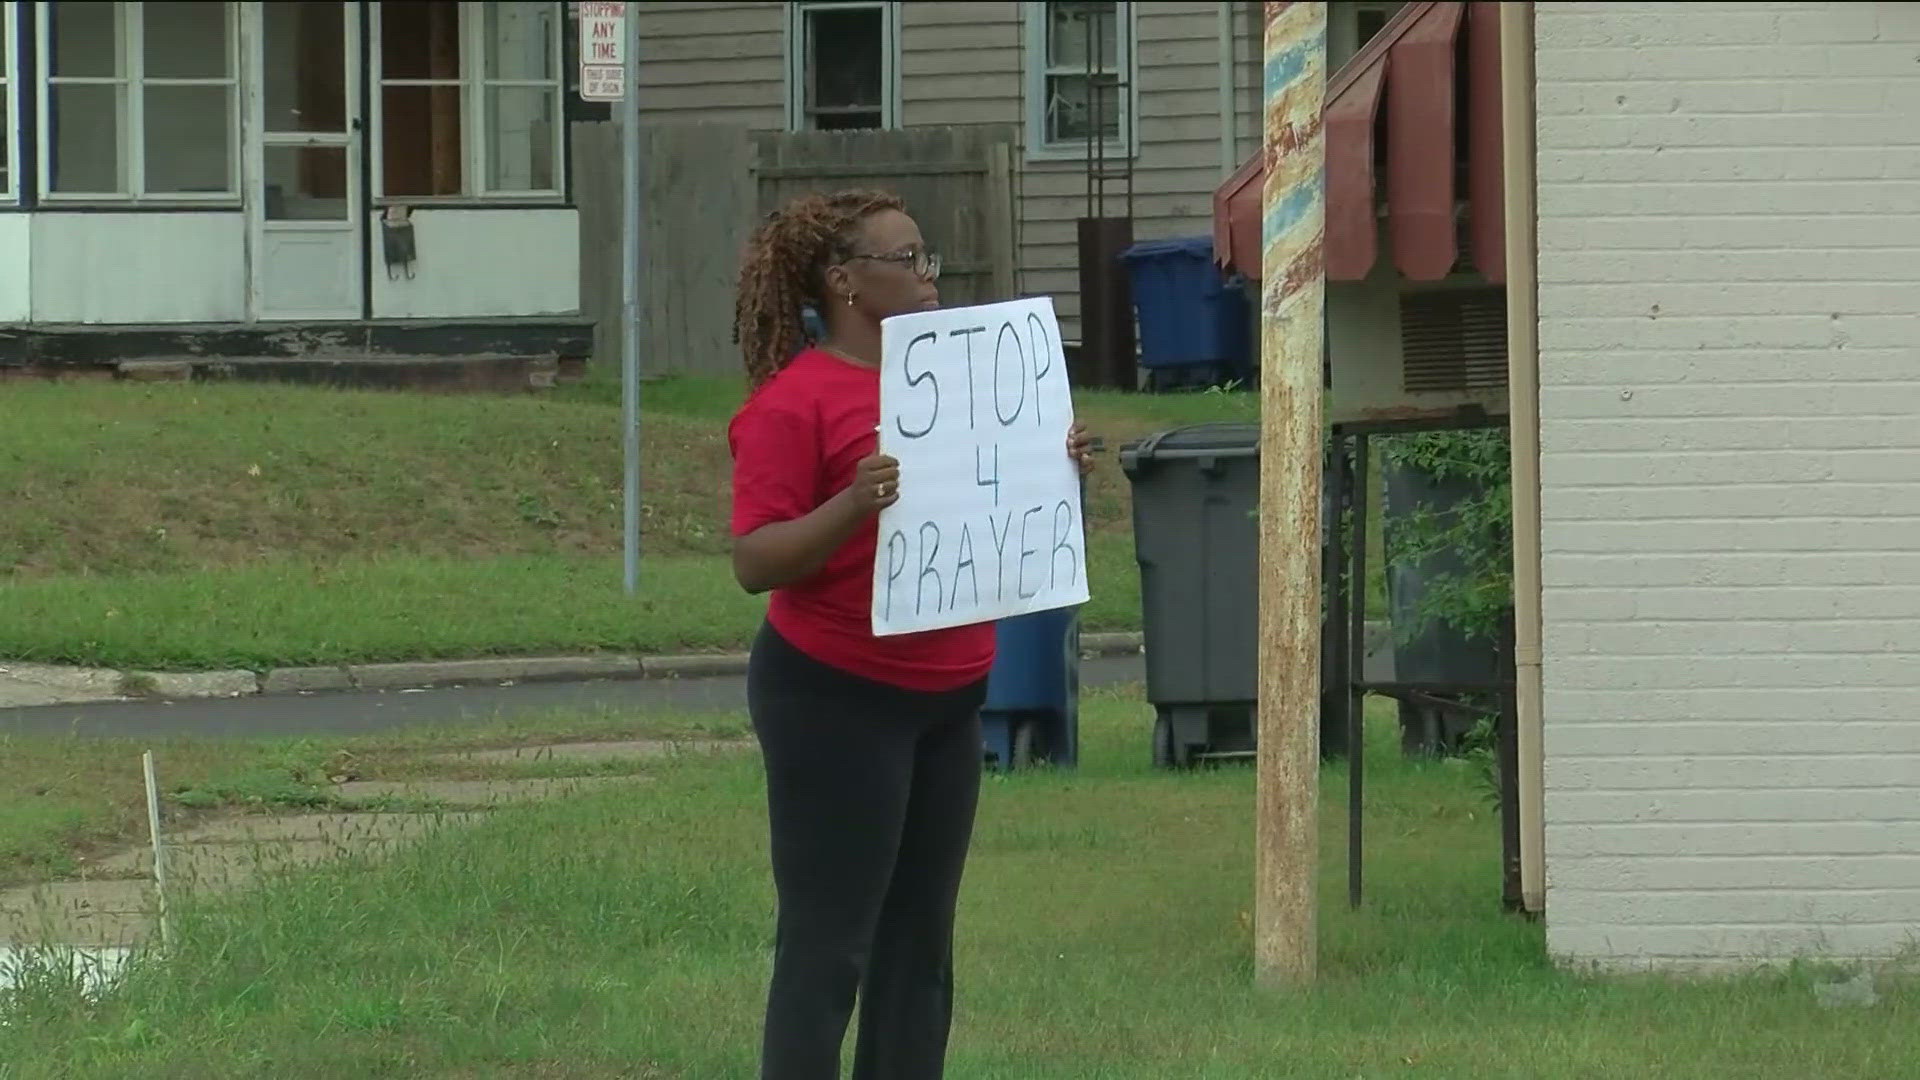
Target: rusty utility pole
[{"x": 1292, "y": 436}]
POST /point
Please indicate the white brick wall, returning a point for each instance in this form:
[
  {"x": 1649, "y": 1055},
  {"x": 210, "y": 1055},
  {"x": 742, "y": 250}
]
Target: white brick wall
[{"x": 1730, "y": 409}]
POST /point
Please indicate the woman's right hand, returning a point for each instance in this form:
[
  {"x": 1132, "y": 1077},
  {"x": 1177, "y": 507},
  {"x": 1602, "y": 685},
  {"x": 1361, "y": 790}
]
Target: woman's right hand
[
  {"x": 783, "y": 552},
  {"x": 876, "y": 484}
]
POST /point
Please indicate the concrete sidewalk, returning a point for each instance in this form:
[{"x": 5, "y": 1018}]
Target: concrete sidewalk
[
  {"x": 24, "y": 685},
  {"x": 112, "y": 905}
]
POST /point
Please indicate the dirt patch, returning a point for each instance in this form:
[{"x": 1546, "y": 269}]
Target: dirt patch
[
  {"x": 119, "y": 478},
  {"x": 472, "y": 793},
  {"x": 588, "y": 752}
]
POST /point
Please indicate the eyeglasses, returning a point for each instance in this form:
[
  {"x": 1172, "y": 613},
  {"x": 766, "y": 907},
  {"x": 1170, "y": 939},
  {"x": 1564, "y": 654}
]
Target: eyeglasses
[{"x": 923, "y": 263}]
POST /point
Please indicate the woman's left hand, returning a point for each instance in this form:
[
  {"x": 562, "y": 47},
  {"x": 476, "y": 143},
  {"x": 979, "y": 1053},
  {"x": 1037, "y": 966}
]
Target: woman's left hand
[{"x": 1080, "y": 447}]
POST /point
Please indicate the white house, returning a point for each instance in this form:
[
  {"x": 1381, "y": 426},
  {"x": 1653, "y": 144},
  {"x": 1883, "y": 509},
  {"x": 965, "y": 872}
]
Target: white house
[
  {"x": 285, "y": 179},
  {"x": 1729, "y": 417}
]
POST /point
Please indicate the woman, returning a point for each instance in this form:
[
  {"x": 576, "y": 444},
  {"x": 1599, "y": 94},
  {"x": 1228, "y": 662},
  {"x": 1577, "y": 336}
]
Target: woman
[{"x": 872, "y": 745}]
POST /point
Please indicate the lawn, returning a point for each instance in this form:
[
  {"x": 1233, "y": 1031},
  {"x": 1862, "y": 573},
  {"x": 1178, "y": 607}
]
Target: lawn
[
  {"x": 1105, "y": 934},
  {"x": 65, "y": 801},
  {"x": 185, "y": 527}
]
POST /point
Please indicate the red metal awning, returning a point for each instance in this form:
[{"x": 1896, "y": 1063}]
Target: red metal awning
[{"x": 1411, "y": 64}]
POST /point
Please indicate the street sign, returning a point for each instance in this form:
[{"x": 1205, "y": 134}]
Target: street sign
[{"x": 603, "y": 51}]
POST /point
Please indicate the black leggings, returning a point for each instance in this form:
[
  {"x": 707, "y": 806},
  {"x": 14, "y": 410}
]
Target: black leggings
[{"x": 871, "y": 793}]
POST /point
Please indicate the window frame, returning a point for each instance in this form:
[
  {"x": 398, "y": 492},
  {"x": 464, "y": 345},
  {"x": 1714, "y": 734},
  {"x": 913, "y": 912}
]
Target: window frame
[
  {"x": 796, "y": 43},
  {"x": 1036, "y": 70},
  {"x": 10, "y": 45},
  {"x": 474, "y": 84},
  {"x": 134, "y": 79}
]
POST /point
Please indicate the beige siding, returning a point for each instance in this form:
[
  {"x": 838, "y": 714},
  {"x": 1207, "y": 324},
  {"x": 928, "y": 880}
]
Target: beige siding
[
  {"x": 714, "y": 63},
  {"x": 960, "y": 63},
  {"x": 1728, "y": 358},
  {"x": 1250, "y": 70},
  {"x": 1177, "y": 165}
]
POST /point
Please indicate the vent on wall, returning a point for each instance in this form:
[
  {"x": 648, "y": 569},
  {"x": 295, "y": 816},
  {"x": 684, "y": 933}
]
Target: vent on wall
[{"x": 1453, "y": 340}]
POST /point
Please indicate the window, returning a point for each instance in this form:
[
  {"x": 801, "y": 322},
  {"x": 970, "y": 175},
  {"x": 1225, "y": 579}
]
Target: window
[
  {"x": 9, "y": 102},
  {"x": 1081, "y": 78},
  {"x": 470, "y": 100},
  {"x": 1350, "y": 26},
  {"x": 306, "y": 124},
  {"x": 140, "y": 101},
  {"x": 843, "y": 66},
  {"x": 1369, "y": 21}
]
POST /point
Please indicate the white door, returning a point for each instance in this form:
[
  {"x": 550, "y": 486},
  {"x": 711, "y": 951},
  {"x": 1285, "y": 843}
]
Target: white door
[{"x": 304, "y": 197}]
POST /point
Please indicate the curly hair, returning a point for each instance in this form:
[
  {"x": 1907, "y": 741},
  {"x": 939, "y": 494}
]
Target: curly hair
[{"x": 785, "y": 269}]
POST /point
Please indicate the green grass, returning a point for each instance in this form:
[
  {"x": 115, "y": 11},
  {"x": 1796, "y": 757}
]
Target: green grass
[
  {"x": 38, "y": 832},
  {"x": 65, "y": 800},
  {"x": 1105, "y": 936},
  {"x": 282, "y": 614},
  {"x": 114, "y": 478},
  {"x": 279, "y": 614},
  {"x": 276, "y": 776},
  {"x": 206, "y": 526}
]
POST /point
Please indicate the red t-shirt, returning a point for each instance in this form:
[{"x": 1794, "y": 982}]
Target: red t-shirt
[{"x": 795, "y": 444}]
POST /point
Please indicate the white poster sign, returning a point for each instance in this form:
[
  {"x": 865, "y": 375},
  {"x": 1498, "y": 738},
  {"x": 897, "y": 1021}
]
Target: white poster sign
[
  {"x": 603, "y": 51},
  {"x": 975, "y": 404}
]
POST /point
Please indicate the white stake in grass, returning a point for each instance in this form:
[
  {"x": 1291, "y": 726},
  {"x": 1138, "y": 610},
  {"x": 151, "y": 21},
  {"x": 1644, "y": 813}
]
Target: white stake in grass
[{"x": 159, "y": 859}]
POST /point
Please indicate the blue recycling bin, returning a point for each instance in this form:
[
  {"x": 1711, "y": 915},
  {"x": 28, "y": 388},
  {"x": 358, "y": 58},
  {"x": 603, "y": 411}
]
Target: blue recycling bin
[
  {"x": 1191, "y": 315},
  {"x": 1032, "y": 712}
]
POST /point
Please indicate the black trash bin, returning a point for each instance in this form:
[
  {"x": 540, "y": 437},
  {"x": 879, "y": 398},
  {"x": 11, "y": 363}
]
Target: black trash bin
[
  {"x": 1196, "y": 498},
  {"x": 1437, "y": 652}
]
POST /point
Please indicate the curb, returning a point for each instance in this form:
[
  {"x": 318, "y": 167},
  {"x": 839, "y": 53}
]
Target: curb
[{"x": 427, "y": 675}]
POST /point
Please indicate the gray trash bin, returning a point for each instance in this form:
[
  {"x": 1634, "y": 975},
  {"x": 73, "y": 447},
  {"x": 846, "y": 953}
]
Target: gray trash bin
[{"x": 1196, "y": 537}]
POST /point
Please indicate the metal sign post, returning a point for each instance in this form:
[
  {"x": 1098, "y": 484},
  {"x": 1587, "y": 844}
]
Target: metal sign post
[
  {"x": 609, "y": 60},
  {"x": 630, "y": 288}
]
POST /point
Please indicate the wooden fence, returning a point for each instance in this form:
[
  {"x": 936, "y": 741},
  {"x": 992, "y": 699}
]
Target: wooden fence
[
  {"x": 697, "y": 209},
  {"x": 707, "y": 185},
  {"x": 957, "y": 183}
]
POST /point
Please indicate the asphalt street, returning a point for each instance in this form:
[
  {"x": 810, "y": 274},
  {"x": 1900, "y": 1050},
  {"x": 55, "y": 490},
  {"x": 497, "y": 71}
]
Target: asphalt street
[{"x": 365, "y": 712}]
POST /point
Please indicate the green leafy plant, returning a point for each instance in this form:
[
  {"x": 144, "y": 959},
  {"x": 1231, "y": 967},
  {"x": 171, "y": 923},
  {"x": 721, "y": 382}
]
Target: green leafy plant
[
  {"x": 1473, "y": 598},
  {"x": 1476, "y": 599},
  {"x": 294, "y": 776},
  {"x": 535, "y": 511},
  {"x": 1480, "y": 748}
]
